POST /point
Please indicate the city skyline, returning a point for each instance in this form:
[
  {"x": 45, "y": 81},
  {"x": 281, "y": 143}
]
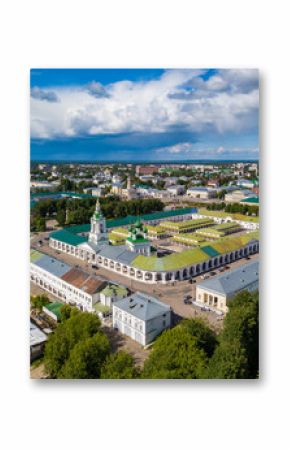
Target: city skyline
[{"x": 146, "y": 115}]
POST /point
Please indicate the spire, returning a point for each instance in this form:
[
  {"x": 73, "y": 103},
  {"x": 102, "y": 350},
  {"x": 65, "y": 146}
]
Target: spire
[{"x": 98, "y": 212}]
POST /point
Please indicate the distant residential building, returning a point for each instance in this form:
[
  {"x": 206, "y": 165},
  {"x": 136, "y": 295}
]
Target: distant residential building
[
  {"x": 170, "y": 181},
  {"x": 201, "y": 192},
  {"x": 176, "y": 190},
  {"x": 141, "y": 317},
  {"x": 238, "y": 195},
  {"x": 117, "y": 188},
  {"x": 44, "y": 185},
  {"x": 214, "y": 183},
  {"x": 246, "y": 183},
  {"x": 116, "y": 179},
  {"x": 88, "y": 190},
  {"x": 97, "y": 192},
  {"x": 146, "y": 170},
  {"x": 217, "y": 291}
]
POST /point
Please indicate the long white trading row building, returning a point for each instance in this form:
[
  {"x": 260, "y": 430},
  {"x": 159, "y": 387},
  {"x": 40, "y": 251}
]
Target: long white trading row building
[{"x": 135, "y": 261}]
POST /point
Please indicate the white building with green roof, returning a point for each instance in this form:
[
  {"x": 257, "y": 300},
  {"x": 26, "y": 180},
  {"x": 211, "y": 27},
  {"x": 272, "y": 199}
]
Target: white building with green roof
[
  {"x": 112, "y": 293},
  {"x": 132, "y": 259},
  {"x": 137, "y": 241}
]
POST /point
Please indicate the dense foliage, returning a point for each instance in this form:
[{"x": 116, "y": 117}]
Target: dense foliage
[
  {"x": 192, "y": 351},
  {"x": 235, "y": 208},
  {"x": 119, "y": 366},
  {"x": 237, "y": 355},
  {"x": 86, "y": 358},
  {"x": 79, "y": 211},
  {"x": 175, "y": 355},
  {"x": 38, "y": 301},
  {"x": 79, "y": 326},
  {"x": 78, "y": 349}
]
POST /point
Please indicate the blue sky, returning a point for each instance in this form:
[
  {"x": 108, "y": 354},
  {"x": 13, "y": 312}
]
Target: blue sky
[{"x": 144, "y": 114}]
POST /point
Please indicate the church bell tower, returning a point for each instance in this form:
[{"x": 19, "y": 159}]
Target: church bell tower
[{"x": 98, "y": 233}]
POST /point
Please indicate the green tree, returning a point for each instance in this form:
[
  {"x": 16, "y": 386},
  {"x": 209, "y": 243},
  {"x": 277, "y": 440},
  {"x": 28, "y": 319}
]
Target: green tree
[
  {"x": 119, "y": 366},
  {"x": 61, "y": 217},
  {"x": 67, "y": 311},
  {"x": 175, "y": 355},
  {"x": 80, "y": 326},
  {"x": 206, "y": 338},
  {"x": 237, "y": 355},
  {"x": 37, "y": 302},
  {"x": 228, "y": 362},
  {"x": 40, "y": 224},
  {"x": 86, "y": 358}
]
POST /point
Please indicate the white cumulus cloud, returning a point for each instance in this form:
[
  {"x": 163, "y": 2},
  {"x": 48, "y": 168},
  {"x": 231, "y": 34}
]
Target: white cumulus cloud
[{"x": 227, "y": 101}]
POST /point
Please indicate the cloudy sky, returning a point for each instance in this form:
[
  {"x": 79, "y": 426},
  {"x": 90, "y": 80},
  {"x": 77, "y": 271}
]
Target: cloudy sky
[{"x": 144, "y": 114}]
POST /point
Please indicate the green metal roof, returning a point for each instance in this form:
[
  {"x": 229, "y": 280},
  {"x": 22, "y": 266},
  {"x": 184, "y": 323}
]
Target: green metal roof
[
  {"x": 253, "y": 199},
  {"x": 186, "y": 224},
  {"x": 138, "y": 239},
  {"x": 222, "y": 214},
  {"x": 68, "y": 237},
  {"x": 192, "y": 256},
  {"x": 35, "y": 255},
  {"x": 54, "y": 307},
  {"x": 114, "y": 290},
  {"x": 171, "y": 262},
  {"x": 79, "y": 229},
  {"x": 228, "y": 244},
  {"x": 208, "y": 249}
]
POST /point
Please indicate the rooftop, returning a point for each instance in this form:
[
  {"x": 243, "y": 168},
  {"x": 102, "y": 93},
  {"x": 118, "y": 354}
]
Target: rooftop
[
  {"x": 186, "y": 223},
  {"x": 50, "y": 264},
  {"x": 36, "y": 335},
  {"x": 230, "y": 282},
  {"x": 88, "y": 283},
  {"x": 68, "y": 236},
  {"x": 142, "y": 306},
  {"x": 114, "y": 290},
  {"x": 188, "y": 257},
  {"x": 221, "y": 214},
  {"x": 55, "y": 308}
]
